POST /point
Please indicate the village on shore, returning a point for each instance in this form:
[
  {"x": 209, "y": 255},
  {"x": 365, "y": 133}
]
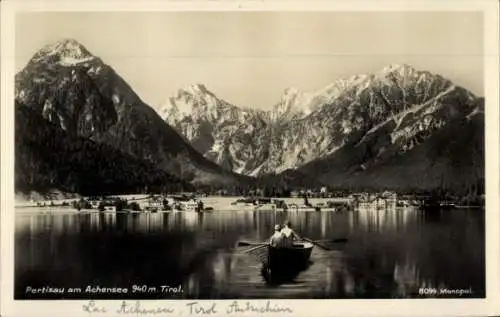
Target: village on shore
[{"x": 303, "y": 200}]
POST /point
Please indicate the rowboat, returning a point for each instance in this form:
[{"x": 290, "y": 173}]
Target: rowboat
[{"x": 280, "y": 265}]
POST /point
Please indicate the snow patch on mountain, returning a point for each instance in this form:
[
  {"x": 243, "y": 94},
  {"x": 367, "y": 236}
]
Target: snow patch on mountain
[
  {"x": 115, "y": 98},
  {"x": 256, "y": 171},
  {"x": 474, "y": 112},
  {"x": 71, "y": 61}
]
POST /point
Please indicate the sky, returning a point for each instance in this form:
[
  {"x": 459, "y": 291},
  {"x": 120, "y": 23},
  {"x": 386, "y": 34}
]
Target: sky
[{"x": 250, "y": 58}]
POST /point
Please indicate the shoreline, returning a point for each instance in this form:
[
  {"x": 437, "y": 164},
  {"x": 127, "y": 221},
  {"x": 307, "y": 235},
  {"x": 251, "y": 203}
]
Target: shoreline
[
  {"x": 218, "y": 204},
  {"x": 68, "y": 210}
]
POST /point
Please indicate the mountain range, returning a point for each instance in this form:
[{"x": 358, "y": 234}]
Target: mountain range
[
  {"x": 350, "y": 133},
  {"x": 398, "y": 128}
]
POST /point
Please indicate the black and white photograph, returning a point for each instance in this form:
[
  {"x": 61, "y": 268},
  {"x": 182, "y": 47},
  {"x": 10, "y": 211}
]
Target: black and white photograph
[{"x": 249, "y": 155}]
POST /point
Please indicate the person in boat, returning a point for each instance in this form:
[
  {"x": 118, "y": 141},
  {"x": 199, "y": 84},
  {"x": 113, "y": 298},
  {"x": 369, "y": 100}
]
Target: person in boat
[
  {"x": 289, "y": 235},
  {"x": 277, "y": 238}
]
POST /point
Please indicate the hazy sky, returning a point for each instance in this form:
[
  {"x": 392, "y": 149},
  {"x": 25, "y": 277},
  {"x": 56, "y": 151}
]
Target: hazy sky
[{"x": 249, "y": 58}]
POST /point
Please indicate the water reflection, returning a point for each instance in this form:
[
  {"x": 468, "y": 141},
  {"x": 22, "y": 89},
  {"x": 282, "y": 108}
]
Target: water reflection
[
  {"x": 388, "y": 254},
  {"x": 384, "y": 220}
]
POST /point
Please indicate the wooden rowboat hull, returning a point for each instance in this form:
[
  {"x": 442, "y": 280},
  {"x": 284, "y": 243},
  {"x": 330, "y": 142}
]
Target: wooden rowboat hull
[
  {"x": 282, "y": 265},
  {"x": 294, "y": 258}
]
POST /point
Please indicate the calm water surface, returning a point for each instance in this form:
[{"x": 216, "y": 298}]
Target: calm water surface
[{"x": 387, "y": 255}]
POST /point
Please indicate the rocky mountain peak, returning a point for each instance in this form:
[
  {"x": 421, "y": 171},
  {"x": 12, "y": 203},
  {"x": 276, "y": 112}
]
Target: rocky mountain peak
[
  {"x": 196, "y": 89},
  {"x": 291, "y": 91},
  {"x": 287, "y": 102},
  {"x": 195, "y": 101},
  {"x": 66, "y": 52},
  {"x": 400, "y": 68},
  {"x": 407, "y": 73},
  {"x": 66, "y": 85}
]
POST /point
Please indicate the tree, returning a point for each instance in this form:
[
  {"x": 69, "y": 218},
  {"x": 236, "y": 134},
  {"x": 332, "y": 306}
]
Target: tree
[
  {"x": 134, "y": 206},
  {"x": 120, "y": 204},
  {"x": 101, "y": 206}
]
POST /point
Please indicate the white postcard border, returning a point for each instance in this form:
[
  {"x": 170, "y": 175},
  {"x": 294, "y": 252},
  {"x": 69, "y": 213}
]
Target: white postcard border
[{"x": 398, "y": 307}]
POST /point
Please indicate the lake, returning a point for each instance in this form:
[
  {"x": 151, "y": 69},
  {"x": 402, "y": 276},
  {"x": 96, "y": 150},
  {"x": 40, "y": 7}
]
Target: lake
[{"x": 189, "y": 255}]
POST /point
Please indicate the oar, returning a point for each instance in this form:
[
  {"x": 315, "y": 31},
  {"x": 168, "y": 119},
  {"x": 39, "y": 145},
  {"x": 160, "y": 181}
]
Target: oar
[
  {"x": 246, "y": 243},
  {"x": 338, "y": 240},
  {"x": 262, "y": 245},
  {"x": 316, "y": 243}
]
